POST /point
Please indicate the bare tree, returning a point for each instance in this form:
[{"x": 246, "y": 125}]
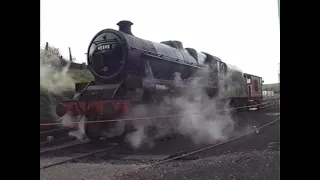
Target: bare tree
[{"x": 52, "y": 50}]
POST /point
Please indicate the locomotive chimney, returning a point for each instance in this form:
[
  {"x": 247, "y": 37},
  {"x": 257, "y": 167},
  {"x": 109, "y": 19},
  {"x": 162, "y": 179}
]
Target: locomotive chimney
[{"x": 125, "y": 26}]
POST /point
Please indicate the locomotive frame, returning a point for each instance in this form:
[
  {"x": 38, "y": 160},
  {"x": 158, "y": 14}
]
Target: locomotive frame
[{"x": 129, "y": 70}]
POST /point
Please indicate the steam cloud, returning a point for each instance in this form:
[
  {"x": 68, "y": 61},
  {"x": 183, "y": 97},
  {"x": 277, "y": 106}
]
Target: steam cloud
[
  {"x": 54, "y": 80},
  {"x": 200, "y": 117},
  {"x": 53, "y": 77}
]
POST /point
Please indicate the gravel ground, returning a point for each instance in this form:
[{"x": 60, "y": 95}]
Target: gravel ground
[
  {"x": 83, "y": 171},
  {"x": 234, "y": 166},
  {"x": 245, "y": 158}
]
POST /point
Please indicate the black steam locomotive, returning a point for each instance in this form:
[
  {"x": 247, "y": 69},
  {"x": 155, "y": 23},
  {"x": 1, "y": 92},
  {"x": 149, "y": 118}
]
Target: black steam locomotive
[{"x": 129, "y": 70}]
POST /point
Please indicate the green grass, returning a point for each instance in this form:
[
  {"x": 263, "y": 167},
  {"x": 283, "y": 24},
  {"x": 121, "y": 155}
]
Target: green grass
[{"x": 80, "y": 76}]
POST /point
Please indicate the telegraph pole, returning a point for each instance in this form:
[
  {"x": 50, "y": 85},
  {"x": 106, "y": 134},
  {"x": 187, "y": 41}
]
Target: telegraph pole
[
  {"x": 47, "y": 46},
  {"x": 279, "y": 24},
  {"x": 279, "y": 73},
  {"x": 70, "y": 55},
  {"x": 279, "y": 10}
]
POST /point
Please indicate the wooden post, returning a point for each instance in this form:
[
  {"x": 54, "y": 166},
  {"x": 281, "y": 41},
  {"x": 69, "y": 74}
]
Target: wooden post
[
  {"x": 47, "y": 46},
  {"x": 70, "y": 55}
]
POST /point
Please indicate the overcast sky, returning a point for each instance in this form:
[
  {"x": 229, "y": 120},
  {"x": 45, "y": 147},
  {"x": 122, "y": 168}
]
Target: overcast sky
[{"x": 244, "y": 33}]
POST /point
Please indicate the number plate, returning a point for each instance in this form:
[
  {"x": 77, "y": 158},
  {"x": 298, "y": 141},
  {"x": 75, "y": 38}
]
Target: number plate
[{"x": 104, "y": 46}]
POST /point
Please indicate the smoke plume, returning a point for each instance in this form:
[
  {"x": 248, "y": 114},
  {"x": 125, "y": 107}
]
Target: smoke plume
[
  {"x": 53, "y": 76},
  {"x": 200, "y": 117},
  {"x": 68, "y": 121},
  {"x": 203, "y": 119},
  {"x": 54, "y": 80}
]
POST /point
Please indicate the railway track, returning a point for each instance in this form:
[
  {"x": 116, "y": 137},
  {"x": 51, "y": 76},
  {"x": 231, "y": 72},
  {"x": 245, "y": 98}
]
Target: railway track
[
  {"x": 80, "y": 149},
  {"x": 47, "y": 150},
  {"x": 55, "y": 136},
  {"x": 77, "y": 157},
  {"x": 56, "y": 142},
  {"x": 60, "y": 135},
  {"x": 181, "y": 155},
  {"x": 73, "y": 151},
  {"x": 56, "y": 133}
]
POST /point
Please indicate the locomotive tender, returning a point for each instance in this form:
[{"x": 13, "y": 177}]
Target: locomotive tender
[{"x": 129, "y": 70}]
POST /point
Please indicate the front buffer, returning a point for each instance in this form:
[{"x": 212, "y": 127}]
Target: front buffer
[{"x": 96, "y": 112}]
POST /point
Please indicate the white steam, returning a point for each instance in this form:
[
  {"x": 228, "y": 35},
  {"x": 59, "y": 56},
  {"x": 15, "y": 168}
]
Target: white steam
[
  {"x": 80, "y": 126},
  {"x": 53, "y": 77},
  {"x": 54, "y": 80},
  {"x": 200, "y": 118},
  {"x": 137, "y": 137}
]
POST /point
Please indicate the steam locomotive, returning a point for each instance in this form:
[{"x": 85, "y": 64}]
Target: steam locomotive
[{"x": 129, "y": 70}]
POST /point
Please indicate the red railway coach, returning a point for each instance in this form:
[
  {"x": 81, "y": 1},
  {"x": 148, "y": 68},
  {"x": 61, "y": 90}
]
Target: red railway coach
[{"x": 254, "y": 88}]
